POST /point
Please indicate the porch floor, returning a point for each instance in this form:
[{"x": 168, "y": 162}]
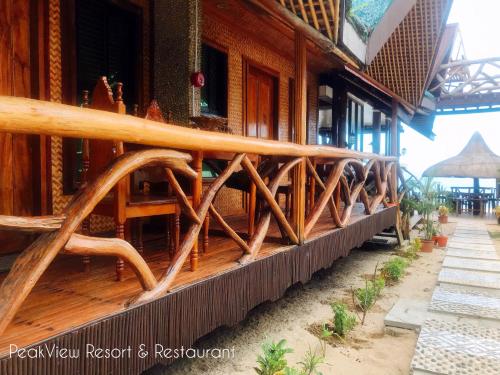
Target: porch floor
[{"x": 66, "y": 297}]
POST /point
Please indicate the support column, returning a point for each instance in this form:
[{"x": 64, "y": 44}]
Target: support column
[
  {"x": 339, "y": 114},
  {"x": 197, "y": 192},
  {"x": 177, "y": 52},
  {"x": 299, "y": 175},
  {"x": 376, "y": 131},
  {"x": 394, "y": 149}
]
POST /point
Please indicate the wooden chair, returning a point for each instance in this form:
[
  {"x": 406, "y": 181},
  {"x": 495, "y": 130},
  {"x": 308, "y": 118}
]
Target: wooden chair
[{"x": 123, "y": 204}]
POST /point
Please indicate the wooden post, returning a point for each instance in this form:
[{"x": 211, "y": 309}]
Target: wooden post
[
  {"x": 197, "y": 189},
  {"x": 339, "y": 114},
  {"x": 376, "y": 132},
  {"x": 394, "y": 149},
  {"x": 299, "y": 175}
]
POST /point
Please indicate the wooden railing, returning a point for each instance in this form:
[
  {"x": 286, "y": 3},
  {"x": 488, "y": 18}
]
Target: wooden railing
[{"x": 336, "y": 178}]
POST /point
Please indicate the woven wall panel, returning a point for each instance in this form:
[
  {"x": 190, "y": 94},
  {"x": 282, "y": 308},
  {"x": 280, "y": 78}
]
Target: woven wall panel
[{"x": 404, "y": 62}]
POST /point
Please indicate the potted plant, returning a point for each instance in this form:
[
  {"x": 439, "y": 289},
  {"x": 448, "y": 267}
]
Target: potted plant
[
  {"x": 443, "y": 214},
  {"x": 435, "y": 235},
  {"x": 441, "y": 238},
  {"x": 426, "y": 205},
  {"x": 428, "y": 240}
]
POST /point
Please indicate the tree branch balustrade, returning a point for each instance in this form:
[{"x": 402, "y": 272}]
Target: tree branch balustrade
[{"x": 346, "y": 181}]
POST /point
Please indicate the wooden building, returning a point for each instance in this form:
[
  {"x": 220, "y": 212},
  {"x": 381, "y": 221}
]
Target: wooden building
[{"x": 258, "y": 138}]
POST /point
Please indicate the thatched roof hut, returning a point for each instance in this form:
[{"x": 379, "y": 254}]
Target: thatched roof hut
[{"x": 475, "y": 161}]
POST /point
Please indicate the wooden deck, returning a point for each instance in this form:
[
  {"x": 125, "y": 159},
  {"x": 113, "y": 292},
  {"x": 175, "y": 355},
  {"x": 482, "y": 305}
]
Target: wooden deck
[{"x": 68, "y": 300}]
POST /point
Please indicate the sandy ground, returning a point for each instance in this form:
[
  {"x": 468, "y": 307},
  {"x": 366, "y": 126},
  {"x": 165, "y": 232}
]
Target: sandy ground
[{"x": 370, "y": 349}]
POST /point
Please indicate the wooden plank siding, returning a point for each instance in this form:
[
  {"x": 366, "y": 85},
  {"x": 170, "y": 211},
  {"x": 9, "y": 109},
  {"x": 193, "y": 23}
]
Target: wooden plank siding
[{"x": 19, "y": 154}]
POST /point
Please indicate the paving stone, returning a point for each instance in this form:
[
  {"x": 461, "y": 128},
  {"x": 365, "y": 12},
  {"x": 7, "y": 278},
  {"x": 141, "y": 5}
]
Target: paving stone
[
  {"x": 472, "y": 254},
  {"x": 484, "y": 236},
  {"x": 457, "y": 348},
  {"x": 470, "y": 246},
  {"x": 472, "y": 278},
  {"x": 478, "y": 231},
  {"x": 407, "y": 314},
  {"x": 472, "y": 264},
  {"x": 463, "y": 241},
  {"x": 468, "y": 302},
  {"x": 467, "y": 288}
]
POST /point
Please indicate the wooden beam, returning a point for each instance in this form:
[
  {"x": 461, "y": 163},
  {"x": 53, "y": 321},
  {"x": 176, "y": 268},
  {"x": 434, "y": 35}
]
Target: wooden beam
[
  {"x": 313, "y": 14},
  {"x": 376, "y": 131},
  {"x": 29, "y": 116},
  {"x": 394, "y": 150},
  {"x": 197, "y": 187},
  {"x": 299, "y": 173},
  {"x": 38, "y": 224},
  {"x": 275, "y": 9},
  {"x": 326, "y": 19}
]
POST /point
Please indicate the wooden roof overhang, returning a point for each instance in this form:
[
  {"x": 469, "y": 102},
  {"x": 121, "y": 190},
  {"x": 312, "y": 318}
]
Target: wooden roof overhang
[
  {"x": 404, "y": 63},
  {"x": 366, "y": 88},
  {"x": 270, "y": 24},
  {"x": 275, "y": 12}
]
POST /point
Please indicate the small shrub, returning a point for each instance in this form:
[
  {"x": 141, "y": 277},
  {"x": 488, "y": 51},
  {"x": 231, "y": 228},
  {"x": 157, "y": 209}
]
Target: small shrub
[
  {"x": 394, "y": 269},
  {"x": 411, "y": 253},
  {"x": 365, "y": 298},
  {"x": 343, "y": 320},
  {"x": 272, "y": 360},
  {"x": 309, "y": 365}
]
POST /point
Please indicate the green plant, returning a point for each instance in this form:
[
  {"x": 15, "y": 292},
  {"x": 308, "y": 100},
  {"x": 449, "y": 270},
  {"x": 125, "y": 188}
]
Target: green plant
[
  {"x": 309, "y": 365},
  {"x": 365, "y": 298},
  {"x": 429, "y": 229},
  {"x": 443, "y": 210},
  {"x": 427, "y": 191},
  {"x": 411, "y": 251},
  {"x": 343, "y": 321},
  {"x": 272, "y": 361},
  {"x": 394, "y": 269}
]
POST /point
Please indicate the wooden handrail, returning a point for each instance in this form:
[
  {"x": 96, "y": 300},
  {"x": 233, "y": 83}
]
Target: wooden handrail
[
  {"x": 350, "y": 176},
  {"x": 30, "y": 116}
]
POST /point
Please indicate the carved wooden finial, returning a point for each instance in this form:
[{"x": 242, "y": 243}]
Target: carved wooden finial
[
  {"x": 85, "y": 98},
  {"x": 135, "y": 110},
  {"x": 119, "y": 92},
  {"x": 153, "y": 112}
]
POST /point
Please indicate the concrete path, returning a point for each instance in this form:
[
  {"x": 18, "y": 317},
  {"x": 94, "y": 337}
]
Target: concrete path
[{"x": 460, "y": 326}]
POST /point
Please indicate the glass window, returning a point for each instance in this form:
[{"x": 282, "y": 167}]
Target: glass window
[{"x": 214, "y": 93}]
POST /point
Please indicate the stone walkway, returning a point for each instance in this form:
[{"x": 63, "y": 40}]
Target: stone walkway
[{"x": 460, "y": 327}]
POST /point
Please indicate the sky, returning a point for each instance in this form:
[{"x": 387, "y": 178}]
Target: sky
[{"x": 480, "y": 27}]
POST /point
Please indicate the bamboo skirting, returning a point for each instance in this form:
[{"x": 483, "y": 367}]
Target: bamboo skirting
[{"x": 188, "y": 313}]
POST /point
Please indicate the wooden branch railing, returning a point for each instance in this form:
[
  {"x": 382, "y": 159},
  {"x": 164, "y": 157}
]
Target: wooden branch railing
[{"x": 338, "y": 178}]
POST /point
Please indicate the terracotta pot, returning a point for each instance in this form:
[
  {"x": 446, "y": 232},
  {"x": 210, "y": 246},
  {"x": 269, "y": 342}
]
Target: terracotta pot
[
  {"x": 435, "y": 239},
  {"x": 443, "y": 219},
  {"x": 391, "y": 204},
  {"x": 427, "y": 246},
  {"x": 442, "y": 241}
]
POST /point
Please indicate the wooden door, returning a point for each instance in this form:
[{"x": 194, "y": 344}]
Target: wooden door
[
  {"x": 260, "y": 114},
  {"x": 19, "y": 154}
]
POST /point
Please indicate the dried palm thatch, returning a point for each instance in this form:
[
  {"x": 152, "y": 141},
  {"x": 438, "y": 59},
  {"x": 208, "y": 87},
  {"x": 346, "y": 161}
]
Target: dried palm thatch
[{"x": 475, "y": 161}]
